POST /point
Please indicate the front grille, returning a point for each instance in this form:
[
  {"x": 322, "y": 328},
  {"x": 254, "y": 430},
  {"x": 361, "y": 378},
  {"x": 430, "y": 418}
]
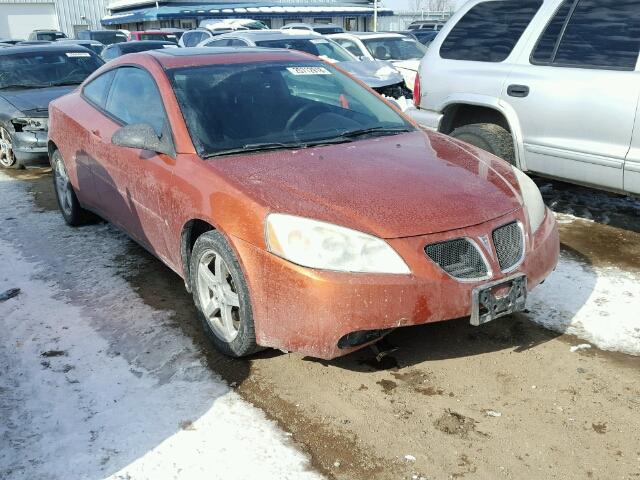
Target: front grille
[
  {"x": 459, "y": 258},
  {"x": 509, "y": 245}
]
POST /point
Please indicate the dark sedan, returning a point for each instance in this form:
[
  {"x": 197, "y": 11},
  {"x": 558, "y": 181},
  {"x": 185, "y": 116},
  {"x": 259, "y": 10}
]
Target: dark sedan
[
  {"x": 118, "y": 49},
  {"x": 30, "y": 78}
]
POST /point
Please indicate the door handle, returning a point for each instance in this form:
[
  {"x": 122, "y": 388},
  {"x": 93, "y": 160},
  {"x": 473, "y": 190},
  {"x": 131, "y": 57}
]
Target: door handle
[{"x": 518, "y": 91}]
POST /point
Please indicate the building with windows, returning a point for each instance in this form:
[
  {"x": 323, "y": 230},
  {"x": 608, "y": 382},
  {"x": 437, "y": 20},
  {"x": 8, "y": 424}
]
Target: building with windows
[
  {"x": 148, "y": 14},
  {"x": 18, "y": 18}
]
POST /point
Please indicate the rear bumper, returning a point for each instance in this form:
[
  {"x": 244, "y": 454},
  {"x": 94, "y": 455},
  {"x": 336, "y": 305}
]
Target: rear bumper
[
  {"x": 426, "y": 118},
  {"x": 30, "y": 148},
  {"x": 310, "y": 311}
]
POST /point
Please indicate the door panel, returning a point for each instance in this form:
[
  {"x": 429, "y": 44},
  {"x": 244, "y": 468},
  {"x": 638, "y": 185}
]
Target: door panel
[
  {"x": 576, "y": 123},
  {"x": 632, "y": 164}
]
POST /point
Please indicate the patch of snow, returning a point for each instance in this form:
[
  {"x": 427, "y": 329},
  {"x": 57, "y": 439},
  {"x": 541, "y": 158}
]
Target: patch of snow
[
  {"x": 97, "y": 384},
  {"x": 577, "y": 348},
  {"x": 493, "y": 413},
  {"x": 599, "y": 305},
  {"x": 402, "y": 103},
  {"x": 410, "y": 458}
]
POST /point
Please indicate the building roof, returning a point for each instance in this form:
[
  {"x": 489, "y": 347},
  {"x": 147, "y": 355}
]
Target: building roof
[{"x": 253, "y": 10}]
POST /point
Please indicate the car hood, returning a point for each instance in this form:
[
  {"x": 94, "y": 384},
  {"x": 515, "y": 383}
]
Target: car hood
[
  {"x": 396, "y": 186},
  {"x": 407, "y": 64},
  {"x": 36, "y": 100},
  {"x": 374, "y": 73}
]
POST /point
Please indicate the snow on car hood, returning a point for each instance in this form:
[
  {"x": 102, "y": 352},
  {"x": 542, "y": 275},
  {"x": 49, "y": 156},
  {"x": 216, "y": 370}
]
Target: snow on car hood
[
  {"x": 34, "y": 99},
  {"x": 374, "y": 73},
  {"x": 396, "y": 186}
]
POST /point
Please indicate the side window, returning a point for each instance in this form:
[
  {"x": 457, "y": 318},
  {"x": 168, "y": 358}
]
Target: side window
[
  {"x": 217, "y": 43},
  {"x": 350, "y": 46},
  {"x": 110, "y": 52},
  {"x": 598, "y": 34},
  {"x": 546, "y": 48},
  {"x": 489, "y": 31},
  {"x": 236, "y": 43},
  {"x": 132, "y": 88},
  {"x": 98, "y": 89},
  {"x": 193, "y": 38}
]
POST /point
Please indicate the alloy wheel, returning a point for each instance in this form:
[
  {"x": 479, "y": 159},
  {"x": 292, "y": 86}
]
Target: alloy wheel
[
  {"x": 7, "y": 158},
  {"x": 63, "y": 187},
  {"x": 218, "y": 296}
]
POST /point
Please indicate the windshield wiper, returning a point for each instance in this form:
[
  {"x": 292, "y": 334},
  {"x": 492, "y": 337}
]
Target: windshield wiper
[
  {"x": 259, "y": 147},
  {"x": 65, "y": 84},
  {"x": 375, "y": 131},
  {"x": 22, "y": 86}
]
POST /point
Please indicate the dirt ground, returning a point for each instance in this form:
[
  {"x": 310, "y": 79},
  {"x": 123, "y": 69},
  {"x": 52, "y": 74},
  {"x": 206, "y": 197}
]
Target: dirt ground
[{"x": 508, "y": 400}]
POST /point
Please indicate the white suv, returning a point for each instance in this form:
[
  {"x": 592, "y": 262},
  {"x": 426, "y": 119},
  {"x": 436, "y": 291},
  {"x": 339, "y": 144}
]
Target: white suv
[{"x": 552, "y": 86}]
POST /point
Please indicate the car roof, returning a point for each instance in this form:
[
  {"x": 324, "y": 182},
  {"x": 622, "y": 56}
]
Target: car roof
[
  {"x": 56, "y": 47},
  {"x": 261, "y": 35},
  {"x": 127, "y": 45},
  {"x": 78, "y": 41},
  {"x": 147, "y": 31},
  {"x": 373, "y": 34},
  {"x": 198, "y": 56}
]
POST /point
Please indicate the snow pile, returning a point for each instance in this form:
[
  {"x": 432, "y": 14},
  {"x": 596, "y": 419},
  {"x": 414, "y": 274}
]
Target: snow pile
[
  {"x": 599, "y": 305},
  {"x": 96, "y": 384}
]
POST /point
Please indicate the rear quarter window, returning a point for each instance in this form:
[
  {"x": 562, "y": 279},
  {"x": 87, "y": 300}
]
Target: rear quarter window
[{"x": 489, "y": 31}]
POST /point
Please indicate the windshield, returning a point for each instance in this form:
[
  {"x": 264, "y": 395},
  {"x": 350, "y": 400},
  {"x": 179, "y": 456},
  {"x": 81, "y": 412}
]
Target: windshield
[
  {"x": 165, "y": 37},
  {"x": 394, "y": 48},
  {"x": 328, "y": 30},
  {"x": 46, "y": 68},
  {"x": 246, "y": 107},
  {"x": 136, "y": 47},
  {"x": 319, "y": 47},
  {"x": 109, "y": 38}
]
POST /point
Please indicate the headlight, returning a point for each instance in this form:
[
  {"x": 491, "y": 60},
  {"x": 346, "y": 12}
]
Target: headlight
[
  {"x": 315, "y": 244},
  {"x": 30, "y": 124},
  {"x": 532, "y": 199}
]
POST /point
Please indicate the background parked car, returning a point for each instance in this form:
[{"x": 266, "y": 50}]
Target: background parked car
[
  {"x": 33, "y": 42},
  {"x": 425, "y": 37},
  {"x": 381, "y": 76},
  {"x": 153, "y": 35},
  {"x": 106, "y": 37},
  {"x": 233, "y": 24},
  {"x": 118, "y": 49},
  {"x": 551, "y": 86},
  {"x": 93, "y": 45},
  {"x": 5, "y": 45},
  {"x": 49, "y": 35},
  {"x": 194, "y": 37},
  {"x": 178, "y": 32},
  {"x": 402, "y": 51},
  {"x": 426, "y": 25},
  {"x": 30, "y": 78},
  {"x": 321, "y": 28}
]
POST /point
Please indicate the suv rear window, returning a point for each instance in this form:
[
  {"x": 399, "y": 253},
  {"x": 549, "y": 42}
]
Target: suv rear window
[
  {"x": 489, "y": 31},
  {"x": 595, "y": 34}
]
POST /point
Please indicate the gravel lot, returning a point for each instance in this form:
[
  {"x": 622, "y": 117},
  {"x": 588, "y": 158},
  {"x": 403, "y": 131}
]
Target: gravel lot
[{"x": 508, "y": 400}]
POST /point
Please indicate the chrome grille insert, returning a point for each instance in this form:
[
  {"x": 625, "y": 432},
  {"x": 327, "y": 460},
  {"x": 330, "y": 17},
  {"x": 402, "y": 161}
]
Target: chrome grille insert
[
  {"x": 460, "y": 258},
  {"x": 509, "y": 243}
]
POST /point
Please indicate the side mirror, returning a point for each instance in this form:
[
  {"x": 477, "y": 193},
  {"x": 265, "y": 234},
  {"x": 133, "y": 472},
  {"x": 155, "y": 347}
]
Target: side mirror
[{"x": 143, "y": 137}]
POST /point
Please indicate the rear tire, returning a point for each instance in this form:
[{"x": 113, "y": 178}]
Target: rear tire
[
  {"x": 68, "y": 203},
  {"x": 221, "y": 296},
  {"x": 489, "y": 137}
]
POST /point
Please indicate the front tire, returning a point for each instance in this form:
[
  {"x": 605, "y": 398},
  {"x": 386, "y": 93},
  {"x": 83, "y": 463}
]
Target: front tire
[
  {"x": 7, "y": 156},
  {"x": 489, "y": 137},
  {"x": 221, "y": 296},
  {"x": 70, "y": 208}
]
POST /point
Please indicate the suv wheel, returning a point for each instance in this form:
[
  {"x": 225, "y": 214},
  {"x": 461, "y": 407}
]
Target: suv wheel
[
  {"x": 490, "y": 137},
  {"x": 221, "y": 296}
]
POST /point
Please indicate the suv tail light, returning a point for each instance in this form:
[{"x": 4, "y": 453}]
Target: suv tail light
[{"x": 416, "y": 91}]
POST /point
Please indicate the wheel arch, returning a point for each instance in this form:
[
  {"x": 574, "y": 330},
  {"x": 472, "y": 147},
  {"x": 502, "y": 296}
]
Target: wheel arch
[
  {"x": 189, "y": 234},
  {"x": 479, "y": 109}
]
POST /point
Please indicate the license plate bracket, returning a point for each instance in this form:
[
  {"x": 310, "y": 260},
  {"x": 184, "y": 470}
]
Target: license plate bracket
[{"x": 489, "y": 305}]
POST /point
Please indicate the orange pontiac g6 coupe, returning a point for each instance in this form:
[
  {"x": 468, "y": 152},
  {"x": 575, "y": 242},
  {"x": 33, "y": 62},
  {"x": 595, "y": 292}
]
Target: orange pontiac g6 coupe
[{"x": 304, "y": 212}]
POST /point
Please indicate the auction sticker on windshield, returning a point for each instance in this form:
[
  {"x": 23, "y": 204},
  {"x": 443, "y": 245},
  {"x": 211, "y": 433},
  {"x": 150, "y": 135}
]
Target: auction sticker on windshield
[
  {"x": 78, "y": 54},
  {"x": 309, "y": 70}
]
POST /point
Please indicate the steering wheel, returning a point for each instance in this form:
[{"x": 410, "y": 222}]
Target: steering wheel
[{"x": 305, "y": 109}]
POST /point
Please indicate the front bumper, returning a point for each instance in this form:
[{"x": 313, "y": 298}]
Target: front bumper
[
  {"x": 426, "y": 118},
  {"x": 30, "y": 148},
  {"x": 310, "y": 311}
]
